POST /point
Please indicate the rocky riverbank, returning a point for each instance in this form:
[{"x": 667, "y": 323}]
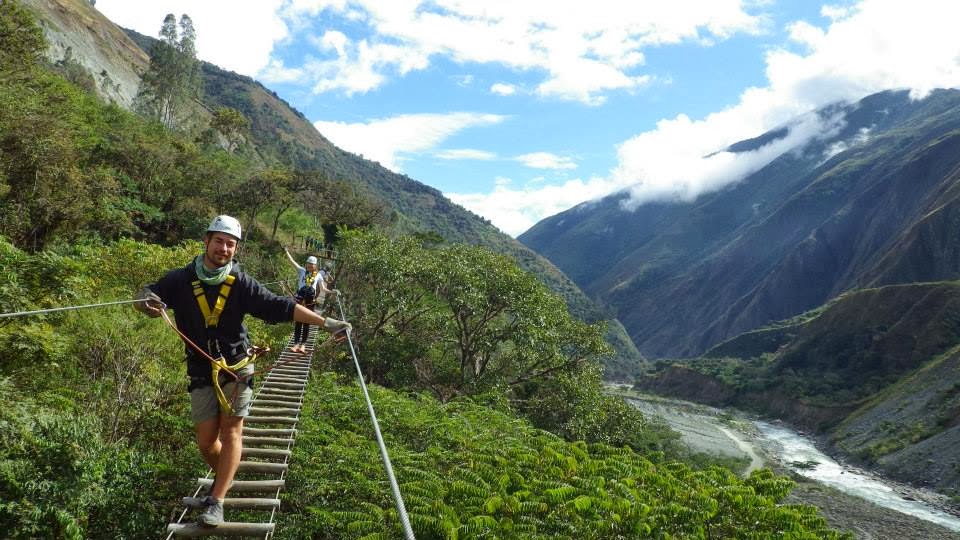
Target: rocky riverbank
[{"x": 734, "y": 435}]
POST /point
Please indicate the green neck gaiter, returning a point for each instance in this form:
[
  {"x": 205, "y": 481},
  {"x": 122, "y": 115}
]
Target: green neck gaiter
[{"x": 211, "y": 277}]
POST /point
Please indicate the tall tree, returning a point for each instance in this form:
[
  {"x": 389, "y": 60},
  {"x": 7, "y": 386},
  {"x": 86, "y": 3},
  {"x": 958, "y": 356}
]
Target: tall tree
[
  {"x": 173, "y": 79},
  {"x": 233, "y": 125}
]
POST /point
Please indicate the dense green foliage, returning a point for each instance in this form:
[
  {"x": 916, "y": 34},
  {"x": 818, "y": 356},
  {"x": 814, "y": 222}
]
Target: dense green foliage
[
  {"x": 99, "y": 413},
  {"x": 467, "y": 471},
  {"x": 459, "y": 320},
  {"x": 95, "y": 439}
]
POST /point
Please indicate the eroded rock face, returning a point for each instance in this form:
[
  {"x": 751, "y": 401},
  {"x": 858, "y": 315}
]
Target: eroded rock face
[{"x": 114, "y": 61}]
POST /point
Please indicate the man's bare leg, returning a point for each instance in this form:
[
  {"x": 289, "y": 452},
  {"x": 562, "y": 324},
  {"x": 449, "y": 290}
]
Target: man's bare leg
[
  {"x": 208, "y": 441},
  {"x": 229, "y": 448}
]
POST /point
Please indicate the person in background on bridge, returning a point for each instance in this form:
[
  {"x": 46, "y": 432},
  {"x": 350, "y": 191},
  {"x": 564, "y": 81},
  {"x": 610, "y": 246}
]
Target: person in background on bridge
[
  {"x": 310, "y": 281},
  {"x": 211, "y": 279}
]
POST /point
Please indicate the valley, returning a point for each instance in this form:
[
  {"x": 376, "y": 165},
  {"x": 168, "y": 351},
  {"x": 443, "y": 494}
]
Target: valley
[{"x": 852, "y": 499}]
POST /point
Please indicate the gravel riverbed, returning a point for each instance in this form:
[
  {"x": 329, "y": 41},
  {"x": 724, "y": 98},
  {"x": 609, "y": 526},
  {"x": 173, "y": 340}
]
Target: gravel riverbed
[{"x": 722, "y": 433}]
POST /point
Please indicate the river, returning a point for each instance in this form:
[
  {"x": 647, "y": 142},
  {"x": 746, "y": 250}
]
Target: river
[
  {"x": 800, "y": 455},
  {"x": 718, "y": 432}
]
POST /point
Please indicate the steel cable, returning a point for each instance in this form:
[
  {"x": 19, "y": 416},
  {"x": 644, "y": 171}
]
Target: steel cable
[
  {"x": 394, "y": 487},
  {"x": 67, "y": 308}
]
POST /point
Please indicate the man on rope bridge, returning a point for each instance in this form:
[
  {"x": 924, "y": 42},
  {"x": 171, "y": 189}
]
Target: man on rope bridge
[
  {"x": 210, "y": 297},
  {"x": 310, "y": 281}
]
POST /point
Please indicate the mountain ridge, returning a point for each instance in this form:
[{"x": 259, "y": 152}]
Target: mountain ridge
[
  {"x": 280, "y": 132},
  {"x": 785, "y": 239}
]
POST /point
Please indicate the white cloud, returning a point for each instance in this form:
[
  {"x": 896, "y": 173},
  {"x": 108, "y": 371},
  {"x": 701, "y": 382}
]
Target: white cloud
[
  {"x": 873, "y": 46},
  {"x": 276, "y": 72},
  {"x": 387, "y": 140},
  {"x": 546, "y": 160},
  {"x": 516, "y": 210},
  {"x": 669, "y": 169},
  {"x": 503, "y": 89},
  {"x": 238, "y": 35},
  {"x": 582, "y": 50},
  {"x": 465, "y": 153}
]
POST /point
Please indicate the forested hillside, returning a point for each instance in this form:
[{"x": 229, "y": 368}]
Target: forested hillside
[
  {"x": 280, "y": 131},
  {"x": 872, "y": 202},
  {"x": 488, "y": 389}
]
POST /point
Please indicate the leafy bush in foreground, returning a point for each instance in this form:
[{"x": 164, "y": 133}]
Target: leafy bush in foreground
[{"x": 469, "y": 472}]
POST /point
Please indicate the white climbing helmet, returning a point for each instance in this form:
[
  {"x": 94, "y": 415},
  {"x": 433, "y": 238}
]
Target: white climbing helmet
[
  {"x": 226, "y": 224},
  {"x": 311, "y": 260}
]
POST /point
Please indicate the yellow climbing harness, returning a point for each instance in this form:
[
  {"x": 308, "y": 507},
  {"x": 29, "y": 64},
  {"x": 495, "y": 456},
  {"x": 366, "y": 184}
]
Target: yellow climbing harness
[
  {"x": 221, "y": 363},
  {"x": 212, "y": 319}
]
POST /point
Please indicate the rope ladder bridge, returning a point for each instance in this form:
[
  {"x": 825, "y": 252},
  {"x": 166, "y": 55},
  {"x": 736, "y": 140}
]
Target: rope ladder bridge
[{"x": 269, "y": 434}]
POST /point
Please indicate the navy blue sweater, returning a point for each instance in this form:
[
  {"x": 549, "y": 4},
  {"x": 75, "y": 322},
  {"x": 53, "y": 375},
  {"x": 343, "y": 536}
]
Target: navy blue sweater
[{"x": 246, "y": 297}]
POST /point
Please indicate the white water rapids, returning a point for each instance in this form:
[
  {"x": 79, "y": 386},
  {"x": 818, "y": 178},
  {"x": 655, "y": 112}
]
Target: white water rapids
[
  {"x": 704, "y": 429},
  {"x": 793, "y": 448}
]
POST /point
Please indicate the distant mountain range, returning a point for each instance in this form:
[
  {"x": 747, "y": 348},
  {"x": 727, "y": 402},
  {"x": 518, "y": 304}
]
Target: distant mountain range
[
  {"x": 873, "y": 203},
  {"x": 115, "y": 58},
  {"x": 820, "y": 290}
]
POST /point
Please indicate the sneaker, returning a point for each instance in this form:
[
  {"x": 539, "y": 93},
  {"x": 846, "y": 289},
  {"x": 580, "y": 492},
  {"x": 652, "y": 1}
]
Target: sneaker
[{"x": 212, "y": 515}]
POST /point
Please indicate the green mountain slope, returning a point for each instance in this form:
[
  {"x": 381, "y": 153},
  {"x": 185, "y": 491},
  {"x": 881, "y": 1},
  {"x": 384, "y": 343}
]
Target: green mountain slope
[
  {"x": 281, "y": 134},
  {"x": 686, "y": 276},
  {"x": 875, "y": 370}
]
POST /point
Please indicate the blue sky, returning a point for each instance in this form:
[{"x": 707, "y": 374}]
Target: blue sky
[{"x": 520, "y": 109}]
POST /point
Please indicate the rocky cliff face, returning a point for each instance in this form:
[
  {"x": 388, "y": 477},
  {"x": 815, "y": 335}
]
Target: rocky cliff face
[
  {"x": 911, "y": 431},
  {"x": 75, "y": 29}
]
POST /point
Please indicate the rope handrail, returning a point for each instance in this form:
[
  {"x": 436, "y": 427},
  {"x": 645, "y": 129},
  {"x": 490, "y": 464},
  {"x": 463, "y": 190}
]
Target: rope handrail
[
  {"x": 85, "y": 306},
  {"x": 68, "y": 308},
  {"x": 394, "y": 487}
]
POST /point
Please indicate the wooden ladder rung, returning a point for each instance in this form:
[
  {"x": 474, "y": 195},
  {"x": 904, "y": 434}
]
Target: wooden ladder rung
[
  {"x": 265, "y": 452},
  {"x": 266, "y": 441},
  {"x": 244, "y": 503},
  {"x": 287, "y": 400},
  {"x": 283, "y": 392},
  {"x": 284, "y": 385},
  {"x": 224, "y": 529},
  {"x": 269, "y": 431},
  {"x": 259, "y": 402},
  {"x": 274, "y": 411},
  {"x": 247, "y": 486},
  {"x": 290, "y": 371},
  {"x": 261, "y": 467},
  {"x": 270, "y": 420}
]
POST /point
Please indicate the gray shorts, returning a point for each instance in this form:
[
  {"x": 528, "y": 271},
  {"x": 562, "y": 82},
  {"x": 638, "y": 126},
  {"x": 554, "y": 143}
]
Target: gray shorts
[{"x": 204, "y": 404}]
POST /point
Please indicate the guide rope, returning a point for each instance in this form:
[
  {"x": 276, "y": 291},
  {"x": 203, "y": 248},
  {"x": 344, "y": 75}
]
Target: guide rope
[
  {"x": 68, "y": 308},
  {"x": 394, "y": 487}
]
